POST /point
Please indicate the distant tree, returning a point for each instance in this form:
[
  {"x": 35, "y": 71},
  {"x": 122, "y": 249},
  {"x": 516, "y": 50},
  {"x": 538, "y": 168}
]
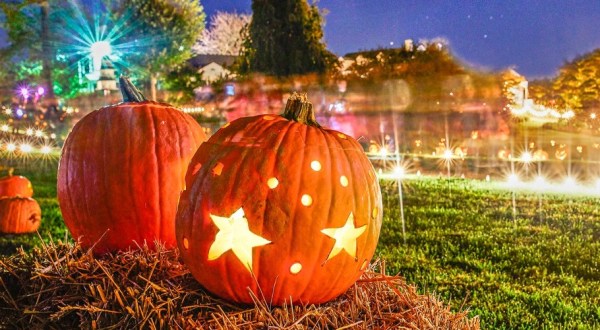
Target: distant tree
[
  {"x": 181, "y": 81},
  {"x": 223, "y": 35},
  {"x": 171, "y": 27},
  {"x": 541, "y": 92},
  {"x": 577, "y": 85},
  {"x": 30, "y": 36},
  {"x": 35, "y": 31},
  {"x": 285, "y": 38}
]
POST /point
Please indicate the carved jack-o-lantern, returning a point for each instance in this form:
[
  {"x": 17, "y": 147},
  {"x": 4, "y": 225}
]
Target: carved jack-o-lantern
[
  {"x": 281, "y": 206},
  {"x": 19, "y": 215}
]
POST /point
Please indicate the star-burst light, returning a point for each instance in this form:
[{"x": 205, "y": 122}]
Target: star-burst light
[{"x": 92, "y": 36}]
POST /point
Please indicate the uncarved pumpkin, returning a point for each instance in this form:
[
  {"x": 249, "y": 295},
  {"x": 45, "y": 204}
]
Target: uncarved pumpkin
[
  {"x": 15, "y": 185},
  {"x": 279, "y": 206},
  {"x": 19, "y": 215},
  {"x": 122, "y": 169}
]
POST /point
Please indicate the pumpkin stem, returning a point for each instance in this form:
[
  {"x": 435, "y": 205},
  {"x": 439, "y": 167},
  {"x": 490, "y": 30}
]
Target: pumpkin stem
[
  {"x": 129, "y": 91},
  {"x": 300, "y": 110},
  {"x": 11, "y": 171}
]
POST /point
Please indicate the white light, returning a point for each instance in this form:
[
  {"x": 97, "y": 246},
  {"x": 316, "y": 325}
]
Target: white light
[
  {"x": 540, "y": 183},
  {"x": 399, "y": 172},
  {"x": 26, "y": 148},
  {"x": 39, "y": 133},
  {"x": 593, "y": 115},
  {"x": 46, "y": 149},
  {"x": 11, "y": 146},
  {"x": 526, "y": 157},
  {"x": 53, "y": 136},
  {"x": 570, "y": 183},
  {"x": 383, "y": 152},
  {"x": 5, "y": 128},
  {"x": 568, "y": 115},
  {"x": 29, "y": 131},
  {"x": 448, "y": 154},
  {"x": 98, "y": 50},
  {"x": 513, "y": 179},
  {"x": 8, "y": 111}
]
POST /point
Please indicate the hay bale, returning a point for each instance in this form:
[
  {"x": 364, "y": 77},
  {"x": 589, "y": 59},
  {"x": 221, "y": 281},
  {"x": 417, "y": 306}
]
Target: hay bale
[{"x": 61, "y": 286}]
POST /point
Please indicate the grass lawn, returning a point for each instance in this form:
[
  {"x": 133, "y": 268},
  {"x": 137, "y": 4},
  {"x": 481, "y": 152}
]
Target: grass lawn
[{"x": 540, "y": 271}]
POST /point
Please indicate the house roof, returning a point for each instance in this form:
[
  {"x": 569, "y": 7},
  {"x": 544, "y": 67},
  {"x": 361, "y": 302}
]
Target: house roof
[{"x": 200, "y": 61}]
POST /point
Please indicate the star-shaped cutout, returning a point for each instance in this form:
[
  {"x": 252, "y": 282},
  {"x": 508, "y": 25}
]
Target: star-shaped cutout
[
  {"x": 235, "y": 235},
  {"x": 345, "y": 237}
]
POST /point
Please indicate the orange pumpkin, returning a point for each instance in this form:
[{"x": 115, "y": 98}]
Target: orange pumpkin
[
  {"x": 15, "y": 185},
  {"x": 19, "y": 215},
  {"x": 122, "y": 169},
  {"x": 280, "y": 206}
]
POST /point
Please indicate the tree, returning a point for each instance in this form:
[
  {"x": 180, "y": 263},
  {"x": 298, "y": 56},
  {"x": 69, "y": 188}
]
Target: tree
[
  {"x": 30, "y": 36},
  {"x": 170, "y": 29},
  {"x": 577, "y": 86},
  {"x": 35, "y": 29},
  {"x": 224, "y": 35},
  {"x": 285, "y": 38}
]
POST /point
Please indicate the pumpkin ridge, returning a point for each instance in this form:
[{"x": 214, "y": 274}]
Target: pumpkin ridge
[
  {"x": 179, "y": 138},
  {"x": 105, "y": 148},
  {"x": 327, "y": 289},
  {"x": 299, "y": 226},
  {"x": 130, "y": 175},
  {"x": 223, "y": 267},
  {"x": 322, "y": 239},
  {"x": 254, "y": 284},
  {"x": 175, "y": 116},
  {"x": 277, "y": 143},
  {"x": 158, "y": 220},
  {"x": 301, "y": 156},
  {"x": 85, "y": 173},
  {"x": 377, "y": 222}
]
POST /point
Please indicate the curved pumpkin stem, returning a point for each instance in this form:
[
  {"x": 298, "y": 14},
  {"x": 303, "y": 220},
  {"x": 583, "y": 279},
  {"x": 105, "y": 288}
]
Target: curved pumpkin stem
[
  {"x": 300, "y": 110},
  {"x": 129, "y": 91}
]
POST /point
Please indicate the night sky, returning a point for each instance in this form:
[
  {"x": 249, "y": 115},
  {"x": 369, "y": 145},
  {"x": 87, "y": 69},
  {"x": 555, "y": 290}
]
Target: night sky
[{"x": 536, "y": 37}]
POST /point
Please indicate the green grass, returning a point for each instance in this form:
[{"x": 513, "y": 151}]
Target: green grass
[
  {"x": 52, "y": 225},
  {"x": 538, "y": 271}
]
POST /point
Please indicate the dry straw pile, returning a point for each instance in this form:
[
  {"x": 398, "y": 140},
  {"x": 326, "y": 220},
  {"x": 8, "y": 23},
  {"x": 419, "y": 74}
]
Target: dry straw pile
[{"x": 60, "y": 286}]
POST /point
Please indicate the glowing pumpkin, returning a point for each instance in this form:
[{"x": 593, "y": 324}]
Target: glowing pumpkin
[
  {"x": 122, "y": 169},
  {"x": 15, "y": 185},
  {"x": 19, "y": 215},
  {"x": 280, "y": 206}
]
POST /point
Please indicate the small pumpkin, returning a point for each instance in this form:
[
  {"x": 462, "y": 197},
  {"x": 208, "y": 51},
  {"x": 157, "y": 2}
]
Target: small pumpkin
[
  {"x": 19, "y": 215},
  {"x": 15, "y": 185},
  {"x": 122, "y": 169},
  {"x": 280, "y": 206}
]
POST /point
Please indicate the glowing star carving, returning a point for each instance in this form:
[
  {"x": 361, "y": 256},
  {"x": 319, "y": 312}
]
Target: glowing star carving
[
  {"x": 345, "y": 237},
  {"x": 235, "y": 235}
]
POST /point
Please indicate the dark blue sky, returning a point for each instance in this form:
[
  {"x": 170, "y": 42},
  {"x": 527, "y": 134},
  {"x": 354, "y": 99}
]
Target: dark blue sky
[{"x": 536, "y": 37}]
